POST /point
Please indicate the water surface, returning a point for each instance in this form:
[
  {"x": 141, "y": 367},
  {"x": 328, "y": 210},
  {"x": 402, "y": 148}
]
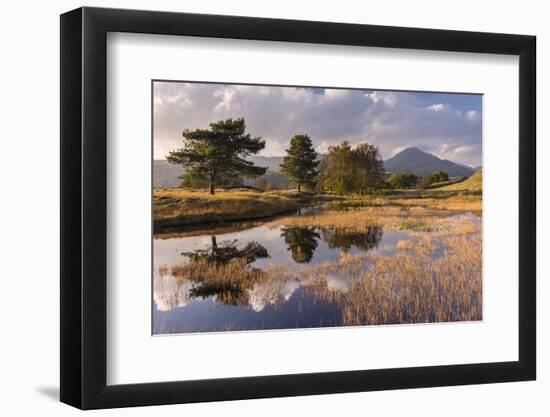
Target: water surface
[{"x": 197, "y": 305}]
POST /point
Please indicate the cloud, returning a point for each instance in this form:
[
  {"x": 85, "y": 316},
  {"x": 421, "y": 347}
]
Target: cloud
[
  {"x": 389, "y": 99},
  {"x": 472, "y": 115},
  {"x": 447, "y": 125},
  {"x": 168, "y": 293},
  {"x": 437, "y": 107}
]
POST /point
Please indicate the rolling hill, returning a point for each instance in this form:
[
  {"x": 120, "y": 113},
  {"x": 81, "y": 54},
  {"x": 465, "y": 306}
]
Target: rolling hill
[
  {"x": 271, "y": 162},
  {"x": 417, "y": 162},
  {"x": 474, "y": 183},
  {"x": 165, "y": 175}
]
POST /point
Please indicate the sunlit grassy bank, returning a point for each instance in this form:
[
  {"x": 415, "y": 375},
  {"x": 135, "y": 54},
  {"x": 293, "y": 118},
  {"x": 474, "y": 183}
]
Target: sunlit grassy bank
[
  {"x": 175, "y": 208},
  {"x": 413, "y": 214},
  {"x": 475, "y": 182}
]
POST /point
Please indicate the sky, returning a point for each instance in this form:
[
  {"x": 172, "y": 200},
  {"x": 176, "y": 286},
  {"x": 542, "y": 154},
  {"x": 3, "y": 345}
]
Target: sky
[{"x": 446, "y": 125}]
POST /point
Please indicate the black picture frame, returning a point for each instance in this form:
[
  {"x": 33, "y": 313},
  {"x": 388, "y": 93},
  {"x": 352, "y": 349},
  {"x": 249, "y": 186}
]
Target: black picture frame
[{"x": 84, "y": 207}]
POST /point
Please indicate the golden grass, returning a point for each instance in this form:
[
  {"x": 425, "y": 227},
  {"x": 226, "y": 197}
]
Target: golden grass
[
  {"x": 232, "y": 282},
  {"x": 413, "y": 285},
  {"x": 416, "y": 287},
  {"x": 360, "y": 220},
  {"x": 434, "y": 278},
  {"x": 475, "y": 182},
  {"x": 435, "y": 275},
  {"x": 418, "y": 214},
  {"x": 177, "y": 207},
  {"x": 434, "y": 200}
]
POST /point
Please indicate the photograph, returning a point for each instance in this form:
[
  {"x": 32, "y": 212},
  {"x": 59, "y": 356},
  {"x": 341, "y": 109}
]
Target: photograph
[
  {"x": 291, "y": 207},
  {"x": 248, "y": 208}
]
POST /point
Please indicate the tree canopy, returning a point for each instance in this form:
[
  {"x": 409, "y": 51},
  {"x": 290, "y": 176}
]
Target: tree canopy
[
  {"x": 369, "y": 168},
  {"x": 346, "y": 170},
  {"x": 402, "y": 180},
  {"x": 217, "y": 156},
  {"x": 300, "y": 162},
  {"x": 433, "y": 178},
  {"x": 335, "y": 168}
]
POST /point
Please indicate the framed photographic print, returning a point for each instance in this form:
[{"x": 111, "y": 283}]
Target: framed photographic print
[{"x": 258, "y": 207}]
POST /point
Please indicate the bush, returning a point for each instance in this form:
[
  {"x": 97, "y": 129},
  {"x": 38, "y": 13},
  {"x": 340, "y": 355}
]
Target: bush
[
  {"x": 402, "y": 180},
  {"x": 433, "y": 178}
]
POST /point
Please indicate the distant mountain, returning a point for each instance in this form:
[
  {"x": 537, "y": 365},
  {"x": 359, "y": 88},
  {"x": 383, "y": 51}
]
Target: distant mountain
[
  {"x": 165, "y": 175},
  {"x": 275, "y": 178},
  {"x": 417, "y": 162},
  {"x": 271, "y": 162}
]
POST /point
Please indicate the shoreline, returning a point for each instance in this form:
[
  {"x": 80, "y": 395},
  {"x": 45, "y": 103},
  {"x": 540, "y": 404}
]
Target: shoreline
[
  {"x": 208, "y": 225},
  {"x": 187, "y": 211}
]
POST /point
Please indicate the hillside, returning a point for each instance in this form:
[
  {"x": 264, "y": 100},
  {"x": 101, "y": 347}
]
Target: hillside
[
  {"x": 417, "y": 162},
  {"x": 165, "y": 175},
  {"x": 475, "y": 182},
  {"x": 271, "y": 162}
]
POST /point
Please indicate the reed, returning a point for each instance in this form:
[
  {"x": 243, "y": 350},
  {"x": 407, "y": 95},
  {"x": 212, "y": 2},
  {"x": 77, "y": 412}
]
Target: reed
[{"x": 437, "y": 277}]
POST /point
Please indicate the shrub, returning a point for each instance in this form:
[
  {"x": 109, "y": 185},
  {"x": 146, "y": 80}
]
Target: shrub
[
  {"x": 434, "y": 177},
  {"x": 402, "y": 180}
]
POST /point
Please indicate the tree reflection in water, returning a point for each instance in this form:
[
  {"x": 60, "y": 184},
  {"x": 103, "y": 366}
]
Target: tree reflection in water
[
  {"x": 301, "y": 241},
  {"x": 222, "y": 271},
  {"x": 344, "y": 239},
  {"x": 227, "y": 251}
]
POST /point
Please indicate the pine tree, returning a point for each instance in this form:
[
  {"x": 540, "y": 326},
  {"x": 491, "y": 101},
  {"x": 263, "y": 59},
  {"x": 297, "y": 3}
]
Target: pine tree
[
  {"x": 216, "y": 156},
  {"x": 300, "y": 163}
]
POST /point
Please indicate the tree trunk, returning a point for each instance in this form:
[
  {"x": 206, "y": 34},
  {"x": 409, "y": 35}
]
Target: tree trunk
[
  {"x": 211, "y": 188},
  {"x": 299, "y": 187}
]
